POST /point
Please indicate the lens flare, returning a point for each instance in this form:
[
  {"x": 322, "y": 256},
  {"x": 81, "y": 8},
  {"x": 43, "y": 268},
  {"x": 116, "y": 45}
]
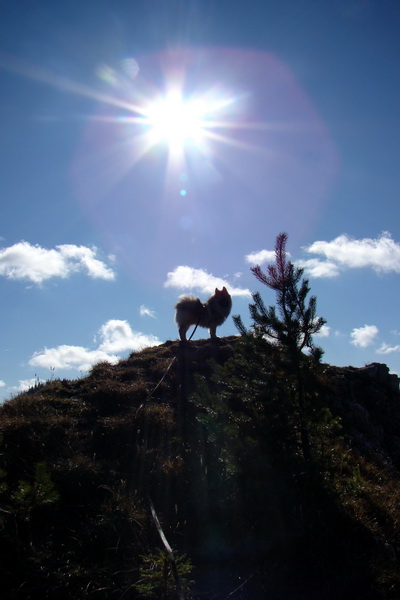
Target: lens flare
[{"x": 196, "y": 146}]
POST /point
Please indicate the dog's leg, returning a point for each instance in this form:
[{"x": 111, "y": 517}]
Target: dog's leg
[
  {"x": 182, "y": 333},
  {"x": 213, "y": 332}
]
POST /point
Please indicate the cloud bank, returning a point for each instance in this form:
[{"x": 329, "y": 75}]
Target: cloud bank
[
  {"x": 36, "y": 264},
  {"x": 381, "y": 254},
  {"x": 190, "y": 279},
  {"x": 116, "y": 336}
]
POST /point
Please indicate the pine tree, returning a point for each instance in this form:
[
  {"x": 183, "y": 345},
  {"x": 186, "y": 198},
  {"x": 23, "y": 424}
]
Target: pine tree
[
  {"x": 291, "y": 324},
  {"x": 296, "y": 323}
]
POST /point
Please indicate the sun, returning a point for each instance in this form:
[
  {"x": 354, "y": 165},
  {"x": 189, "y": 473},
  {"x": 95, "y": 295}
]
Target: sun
[
  {"x": 188, "y": 120},
  {"x": 176, "y": 121}
]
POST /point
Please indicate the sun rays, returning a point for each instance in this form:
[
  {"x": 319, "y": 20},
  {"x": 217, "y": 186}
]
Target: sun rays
[
  {"x": 211, "y": 116},
  {"x": 152, "y": 114},
  {"x": 181, "y": 116},
  {"x": 184, "y": 123}
]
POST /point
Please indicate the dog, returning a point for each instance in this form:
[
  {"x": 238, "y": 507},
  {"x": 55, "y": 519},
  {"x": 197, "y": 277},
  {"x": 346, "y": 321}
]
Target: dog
[{"x": 191, "y": 311}]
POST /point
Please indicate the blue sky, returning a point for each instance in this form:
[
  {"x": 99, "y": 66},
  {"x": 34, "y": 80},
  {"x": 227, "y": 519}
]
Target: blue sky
[{"x": 156, "y": 147}]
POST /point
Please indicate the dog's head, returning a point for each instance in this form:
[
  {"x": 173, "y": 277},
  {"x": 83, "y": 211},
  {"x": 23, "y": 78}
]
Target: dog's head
[{"x": 223, "y": 295}]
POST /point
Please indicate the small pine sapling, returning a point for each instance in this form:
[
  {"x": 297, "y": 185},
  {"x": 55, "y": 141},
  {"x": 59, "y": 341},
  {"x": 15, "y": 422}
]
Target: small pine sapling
[{"x": 293, "y": 322}]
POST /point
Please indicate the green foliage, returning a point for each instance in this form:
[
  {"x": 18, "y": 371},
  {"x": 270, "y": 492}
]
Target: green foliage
[
  {"x": 253, "y": 460},
  {"x": 156, "y": 576},
  {"x": 36, "y": 493},
  {"x": 293, "y": 322},
  {"x": 225, "y": 465}
]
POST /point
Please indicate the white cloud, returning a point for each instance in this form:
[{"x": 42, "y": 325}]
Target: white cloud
[
  {"x": 258, "y": 258},
  {"x": 85, "y": 258},
  {"x": 188, "y": 278},
  {"x": 2, "y": 383},
  {"x": 69, "y": 357},
  {"x": 324, "y": 331},
  {"x": 146, "y": 312},
  {"x": 381, "y": 254},
  {"x": 24, "y": 385},
  {"x": 362, "y": 337},
  {"x": 318, "y": 268},
  {"x": 33, "y": 263},
  {"x": 117, "y": 336},
  {"x": 386, "y": 349}
]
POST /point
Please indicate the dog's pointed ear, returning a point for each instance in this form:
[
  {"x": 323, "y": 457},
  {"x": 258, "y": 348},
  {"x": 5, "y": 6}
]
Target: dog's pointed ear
[
  {"x": 216, "y": 290},
  {"x": 224, "y": 290}
]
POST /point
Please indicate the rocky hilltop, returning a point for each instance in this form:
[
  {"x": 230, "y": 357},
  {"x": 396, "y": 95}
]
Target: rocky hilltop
[
  {"x": 209, "y": 440},
  {"x": 368, "y": 402}
]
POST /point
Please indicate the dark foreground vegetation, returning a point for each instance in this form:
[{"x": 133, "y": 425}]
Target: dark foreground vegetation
[
  {"x": 270, "y": 475},
  {"x": 218, "y": 449}
]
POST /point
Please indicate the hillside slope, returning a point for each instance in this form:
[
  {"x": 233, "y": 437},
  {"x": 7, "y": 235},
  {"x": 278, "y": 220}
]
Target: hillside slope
[{"x": 209, "y": 434}]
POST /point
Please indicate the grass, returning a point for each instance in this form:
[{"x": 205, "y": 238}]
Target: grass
[{"x": 80, "y": 458}]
